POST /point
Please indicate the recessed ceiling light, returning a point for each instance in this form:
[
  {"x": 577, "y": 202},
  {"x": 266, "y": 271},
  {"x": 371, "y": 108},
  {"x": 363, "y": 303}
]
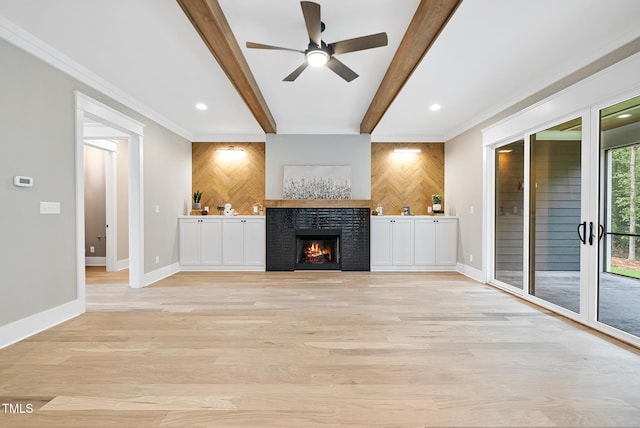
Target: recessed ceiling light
[
  {"x": 624, "y": 116},
  {"x": 505, "y": 151},
  {"x": 435, "y": 107},
  {"x": 201, "y": 106}
]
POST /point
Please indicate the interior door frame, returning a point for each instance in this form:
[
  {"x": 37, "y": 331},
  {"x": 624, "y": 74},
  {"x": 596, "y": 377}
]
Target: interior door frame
[
  {"x": 88, "y": 107},
  {"x": 110, "y": 150}
]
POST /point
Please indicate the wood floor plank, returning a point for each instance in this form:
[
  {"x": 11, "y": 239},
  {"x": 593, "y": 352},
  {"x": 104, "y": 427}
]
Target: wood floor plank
[{"x": 317, "y": 349}]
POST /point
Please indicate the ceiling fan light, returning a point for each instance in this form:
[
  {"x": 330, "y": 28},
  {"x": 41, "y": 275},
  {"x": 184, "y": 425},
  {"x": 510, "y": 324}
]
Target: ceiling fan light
[{"x": 317, "y": 57}]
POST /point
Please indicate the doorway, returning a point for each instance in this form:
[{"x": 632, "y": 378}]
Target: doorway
[
  {"x": 88, "y": 109},
  {"x": 105, "y": 196}
]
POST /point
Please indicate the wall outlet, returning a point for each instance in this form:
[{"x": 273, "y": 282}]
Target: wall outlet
[
  {"x": 470, "y": 257},
  {"x": 49, "y": 207},
  {"x": 157, "y": 209},
  {"x": 157, "y": 259},
  {"x": 92, "y": 249},
  {"x": 471, "y": 209}
]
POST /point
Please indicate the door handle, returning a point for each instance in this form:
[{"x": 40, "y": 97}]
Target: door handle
[
  {"x": 601, "y": 231},
  {"x": 582, "y": 225},
  {"x": 591, "y": 235}
]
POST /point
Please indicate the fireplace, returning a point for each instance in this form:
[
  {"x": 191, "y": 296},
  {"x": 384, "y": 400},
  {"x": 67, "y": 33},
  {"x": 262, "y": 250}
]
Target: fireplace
[
  {"x": 318, "y": 249},
  {"x": 348, "y": 226}
]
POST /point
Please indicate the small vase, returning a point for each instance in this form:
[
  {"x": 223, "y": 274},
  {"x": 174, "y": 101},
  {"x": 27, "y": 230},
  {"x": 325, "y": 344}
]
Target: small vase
[{"x": 197, "y": 206}]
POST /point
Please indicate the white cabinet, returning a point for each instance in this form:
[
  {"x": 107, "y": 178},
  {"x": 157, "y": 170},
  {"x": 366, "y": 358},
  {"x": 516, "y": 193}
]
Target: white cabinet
[
  {"x": 222, "y": 243},
  {"x": 200, "y": 242},
  {"x": 243, "y": 242},
  {"x": 420, "y": 243},
  {"x": 391, "y": 242},
  {"x": 436, "y": 242}
]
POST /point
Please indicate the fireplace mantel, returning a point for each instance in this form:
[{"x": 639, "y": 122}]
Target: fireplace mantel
[{"x": 317, "y": 203}]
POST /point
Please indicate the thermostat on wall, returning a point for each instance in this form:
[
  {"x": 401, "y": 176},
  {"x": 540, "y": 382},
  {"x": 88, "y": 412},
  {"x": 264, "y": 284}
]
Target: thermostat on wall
[{"x": 21, "y": 181}]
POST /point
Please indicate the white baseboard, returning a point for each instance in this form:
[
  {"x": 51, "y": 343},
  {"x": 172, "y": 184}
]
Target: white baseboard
[
  {"x": 157, "y": 275},
  {"x": 21, "y": 329},
  {"x": 220, "y": 268},
  {"x": 95, "y": 261},
  {"x": 122, "y": 264},
  {"x": 471, "y": 272}
]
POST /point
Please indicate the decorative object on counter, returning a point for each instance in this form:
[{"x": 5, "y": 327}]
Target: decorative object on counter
[
  {"x": 406, "y": 210},
  {"x": 197, "y": 196},
  {"x": 220, "y": 209},
  {"x": 257, "y": 209},
  {"x": 228, "y": 210},
  {"x": 437, "y": 201},
  {"x": 205, "y": 211},
  {"x": 379, "y": 210}
]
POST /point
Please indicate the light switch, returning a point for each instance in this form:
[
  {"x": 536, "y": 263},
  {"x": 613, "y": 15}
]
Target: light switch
[{"x": 49, "y": 207}]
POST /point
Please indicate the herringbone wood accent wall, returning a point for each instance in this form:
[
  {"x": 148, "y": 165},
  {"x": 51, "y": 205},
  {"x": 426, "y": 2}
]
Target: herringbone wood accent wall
[
  {"x": 229, "y": 177},
  {"x": 406, "y": 179}
]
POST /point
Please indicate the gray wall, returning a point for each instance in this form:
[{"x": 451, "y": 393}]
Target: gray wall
[
  {"x": 354, "y": 150},
  {"x": 95, "y": 206},
  {"x": 37, "y": 134},
  {"x": 122, "y": 191},
  {"x": 167, "y": 187},
  {"x": 463, "y": 191}
]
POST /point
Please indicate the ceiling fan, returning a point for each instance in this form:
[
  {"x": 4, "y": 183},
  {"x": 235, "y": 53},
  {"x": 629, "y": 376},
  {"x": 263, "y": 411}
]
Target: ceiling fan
[{"x": 319, "y": 53}]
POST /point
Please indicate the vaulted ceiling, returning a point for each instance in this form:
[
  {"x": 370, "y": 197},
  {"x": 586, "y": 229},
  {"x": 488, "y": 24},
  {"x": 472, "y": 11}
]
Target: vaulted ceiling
[{"x": 162, "y": 57}]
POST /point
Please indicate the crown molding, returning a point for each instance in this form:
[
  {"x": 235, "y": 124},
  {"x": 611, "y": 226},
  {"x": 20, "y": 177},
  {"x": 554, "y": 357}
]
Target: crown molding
[{"x": 41, "y": 50}]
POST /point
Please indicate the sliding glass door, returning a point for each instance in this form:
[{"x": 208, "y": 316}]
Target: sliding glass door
[
  {"x": 555, "y": 195},
  {"x": 619, "y": 251},
  {"x": 539, "y": 226},
  {"x": 509, "y": 218}
]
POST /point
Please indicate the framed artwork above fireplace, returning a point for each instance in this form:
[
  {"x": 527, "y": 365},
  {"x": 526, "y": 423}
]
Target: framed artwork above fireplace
[{"x": 316, "y": 182}]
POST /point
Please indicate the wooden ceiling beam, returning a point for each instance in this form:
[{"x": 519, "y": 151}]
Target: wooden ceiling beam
[
  {"x": 428, "y": 22},
  {"x": 209, "y": 21}
]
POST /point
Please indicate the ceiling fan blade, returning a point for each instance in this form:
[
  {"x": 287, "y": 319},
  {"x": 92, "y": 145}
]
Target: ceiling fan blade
[
  {"x": 359, "y": 43},
  {"x": 294, "y": 75},
  {"x": 253, "y": 45},
  {"x": 341, "y": 70},
  {"x": 311, "y": 12}
]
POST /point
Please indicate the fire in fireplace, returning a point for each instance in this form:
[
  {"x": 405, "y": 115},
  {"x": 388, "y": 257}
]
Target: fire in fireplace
[{"x": 318, "y": 249}]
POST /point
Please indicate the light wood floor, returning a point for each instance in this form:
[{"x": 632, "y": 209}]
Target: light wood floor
[{"x": 318, "y": 349}]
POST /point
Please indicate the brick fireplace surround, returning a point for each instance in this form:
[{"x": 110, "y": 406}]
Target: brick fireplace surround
[{"x": 284, "y": 217}]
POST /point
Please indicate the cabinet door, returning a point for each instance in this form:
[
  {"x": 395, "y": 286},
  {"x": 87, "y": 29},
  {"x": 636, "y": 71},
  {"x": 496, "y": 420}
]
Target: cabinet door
[
  {"x": 402, "y": 242},
  {"x": 381, "y": 242},
  {"x": 254, "y": 242},
  {"x": 211, "y": 242},
  {"x": 189, "y": 242},
  {"x": 425, "y": 242},
  {"x": 447, "y": 242},
  {"x": 232, "y": 241}
]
